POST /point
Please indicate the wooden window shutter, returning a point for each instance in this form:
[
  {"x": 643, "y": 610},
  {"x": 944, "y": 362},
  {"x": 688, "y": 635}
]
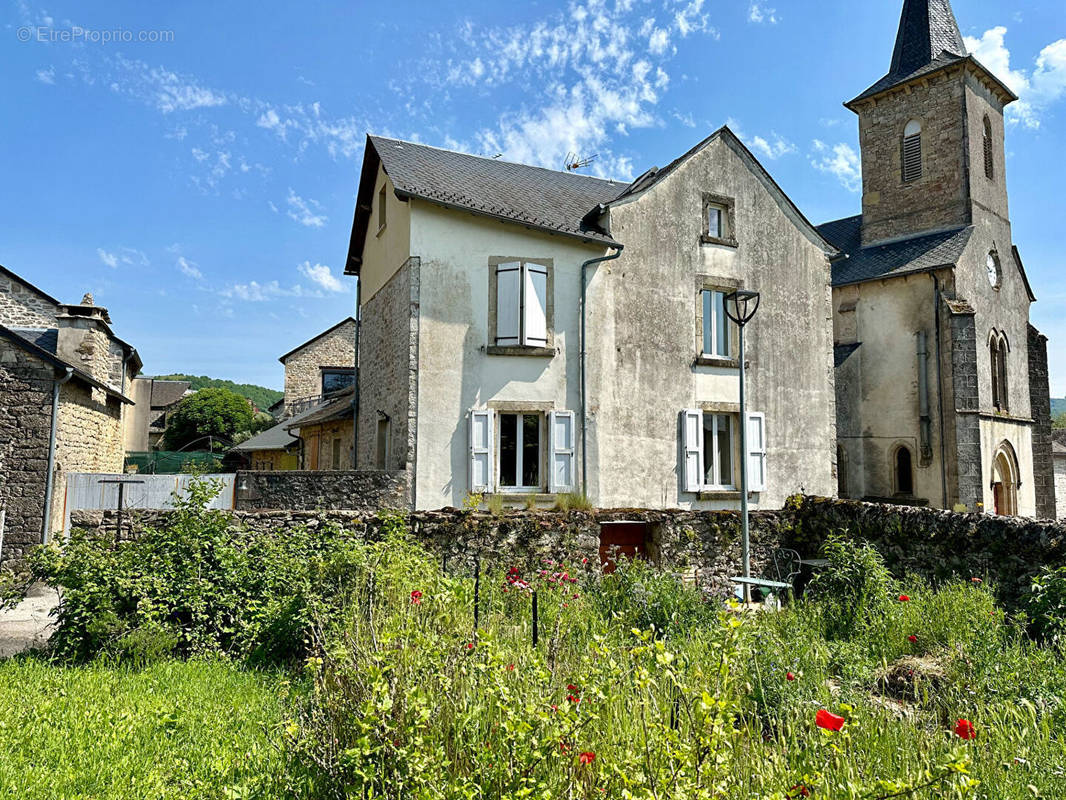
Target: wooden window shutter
[
  {"x": 912, "y": 152},
  {"x": 535, "y": 306},
  {"x": 692, "y": 445},
  {"x": 482, "y": 436},
  {"x": 508, "y": 304},
  {"x": 756, "y": 443},
  {"x": 561, "y": 455}
]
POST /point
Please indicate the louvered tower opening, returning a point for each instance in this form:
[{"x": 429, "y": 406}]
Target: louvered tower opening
[{"x": 912, "y": 152}]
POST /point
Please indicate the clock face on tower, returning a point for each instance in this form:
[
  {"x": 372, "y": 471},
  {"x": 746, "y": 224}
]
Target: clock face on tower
[{"x": 994, "y": 276}]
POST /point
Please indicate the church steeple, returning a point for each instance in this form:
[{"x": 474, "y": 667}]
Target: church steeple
[{"x": 927, "y": 28}]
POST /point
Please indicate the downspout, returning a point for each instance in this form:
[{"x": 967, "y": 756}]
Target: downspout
[
  {"x": 584, "y": 371},
  {"x": 50, "y": 478},
  {"x": 940, "y": 390},
  {"x": 925, "y": 419},
  {"x": 355, "y": 394}
]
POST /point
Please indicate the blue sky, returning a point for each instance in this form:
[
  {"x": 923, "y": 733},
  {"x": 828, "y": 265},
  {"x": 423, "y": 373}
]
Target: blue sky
[{"x": 201, "y": 183}]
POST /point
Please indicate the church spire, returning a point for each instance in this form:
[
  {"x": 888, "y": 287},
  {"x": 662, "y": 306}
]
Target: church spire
[{"x": 926, "y": 29}]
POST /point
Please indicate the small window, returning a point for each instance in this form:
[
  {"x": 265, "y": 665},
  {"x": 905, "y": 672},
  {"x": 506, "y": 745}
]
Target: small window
[
  {"x": 382, "y": 443},
  {"x": 336, "y": 453},
  {"x": 716, "y": 325},
  {"x": 718, "y": 220},
  {"x": 336, "y": 379},
  {"x": 990, "y": 167},
  {"x": 904, "y": 472},
  {"x": 912, "y": 151},
  {"x": 712, "y": 449},
  {"x": 998, "y": 349},
  {"x": 381, "y": 208},
  {"x": 521, "y": 304},
  {"x": 520, "y": 452}
]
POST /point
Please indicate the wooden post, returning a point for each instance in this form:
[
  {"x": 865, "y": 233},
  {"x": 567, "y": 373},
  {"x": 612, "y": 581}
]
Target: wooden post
[{"x": 477, "y": 593}]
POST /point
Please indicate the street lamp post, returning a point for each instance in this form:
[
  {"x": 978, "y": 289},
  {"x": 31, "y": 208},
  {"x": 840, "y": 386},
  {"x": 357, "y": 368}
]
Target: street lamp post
[{"x": 740, "y": 306}]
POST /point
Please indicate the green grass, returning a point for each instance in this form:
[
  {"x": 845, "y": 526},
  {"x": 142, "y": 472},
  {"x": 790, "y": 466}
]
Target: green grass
[{"x": 197, "y": 729}]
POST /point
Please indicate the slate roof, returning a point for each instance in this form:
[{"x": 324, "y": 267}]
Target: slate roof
[
  {"x": 544, "y": 198},
  {"x": 338, "y": 407},
  {"x": 44, "y": 338},
  {"x": 916, "y": 254},
  {"x": 1058, "y": 449},
  {"x": 167, "y": 393},
  {"x": 276, "y": 438}
]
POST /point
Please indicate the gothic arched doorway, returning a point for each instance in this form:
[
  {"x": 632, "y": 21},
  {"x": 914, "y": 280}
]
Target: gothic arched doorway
[{"x": 1005, "y": 481}]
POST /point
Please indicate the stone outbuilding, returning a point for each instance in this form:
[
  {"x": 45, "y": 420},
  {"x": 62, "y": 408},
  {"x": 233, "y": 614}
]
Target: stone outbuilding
[
  {"x": 320, "y": 366},
  {"x": 64, "y": 379},
  {"x": 326, "y": 434},
  {"x": 942, "y": 383}
]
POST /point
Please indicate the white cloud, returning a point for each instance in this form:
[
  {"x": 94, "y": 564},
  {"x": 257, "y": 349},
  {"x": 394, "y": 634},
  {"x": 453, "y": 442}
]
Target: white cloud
[
  {"x": 757, "y": 12},
  {"x": 658, "y": 41},
  {"x": 321, "y": 275},
  {"x": 771, "y": 148},
  {"x": 189, "y": 269},
  {"x": 47, "y": 76},
  {"x": 1038, "y": 88},
  {"x": 108, "y": 258},
  {"x": 255, "y": 292},
  {"x": 841, "y": 161},
  {"x": 306, "y": 212},
  {"x": 164, "y": 90}
]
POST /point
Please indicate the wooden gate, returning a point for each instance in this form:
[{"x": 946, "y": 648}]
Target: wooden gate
[{"x": 628, "y": 539}]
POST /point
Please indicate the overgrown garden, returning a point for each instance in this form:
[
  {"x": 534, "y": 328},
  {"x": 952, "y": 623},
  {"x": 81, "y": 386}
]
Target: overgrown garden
[{"x": 356, "y": 670}]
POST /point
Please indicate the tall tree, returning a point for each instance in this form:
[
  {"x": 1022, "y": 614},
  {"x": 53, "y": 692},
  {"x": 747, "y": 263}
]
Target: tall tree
[{"x": 210, "y": 414}]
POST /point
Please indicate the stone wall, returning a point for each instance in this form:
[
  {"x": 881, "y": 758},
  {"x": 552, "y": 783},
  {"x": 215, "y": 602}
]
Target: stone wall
[
  {"x": 313, "y": 491},
  {"x": 303, "y": 368},
  {"x": 388, "y": 364},
  {"x": 88, "y": 439},
  {"x": 23, "y": 306},
  {"x": 967, "y": 434},
  {"x": 1060, "y": 488},
  {"x": 1040, "y": 405},
  {"x": 25, "y": 428},
  {"x": 935, "y": 544}
]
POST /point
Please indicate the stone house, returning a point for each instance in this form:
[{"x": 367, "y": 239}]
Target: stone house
[
  {"x": 155, "y": 401},
  {"x": 64, "y": 379},
  {"x": 942, "y": 385},
  {"x": 326, "y": 434},
  {"x": 532, "y": 333},
  {"x": 320, "y": 366}
]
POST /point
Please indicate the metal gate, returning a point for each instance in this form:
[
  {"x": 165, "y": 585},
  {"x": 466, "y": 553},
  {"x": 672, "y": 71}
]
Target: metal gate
[{"x": 92, "y": 491}]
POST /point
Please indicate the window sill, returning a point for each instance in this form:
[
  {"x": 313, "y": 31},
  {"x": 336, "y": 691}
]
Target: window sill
[
  {"x": 724, "y": 494},
  {"x": 730, "y": 242},
  {"x": 716, "y": 361},
  {"x": 535, "y": 352}
]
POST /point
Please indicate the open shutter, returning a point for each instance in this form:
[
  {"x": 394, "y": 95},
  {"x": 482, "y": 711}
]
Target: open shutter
[
  {"x": 692, "y": 436},
  {"x": 481, "y": 439},
  {"x": 535, "y": 309},
  {"x": 508, "y": 303},
  {"x": 561, "y": 455},
  {"x": 756, "y": 452}
]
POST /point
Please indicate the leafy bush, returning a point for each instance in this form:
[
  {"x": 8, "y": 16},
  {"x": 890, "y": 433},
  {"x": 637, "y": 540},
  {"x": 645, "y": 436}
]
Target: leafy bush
[
  {"x": 853, "y": 588},
  {"x": 1046, "y": 605}
]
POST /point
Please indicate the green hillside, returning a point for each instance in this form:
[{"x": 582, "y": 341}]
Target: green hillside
[
  {"x": 263, "y": 397},
  {"x": 1058, "y": 406}
]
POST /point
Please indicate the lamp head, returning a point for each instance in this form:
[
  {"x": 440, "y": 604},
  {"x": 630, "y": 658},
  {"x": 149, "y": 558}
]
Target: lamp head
[{"x": 741, "y": 305}]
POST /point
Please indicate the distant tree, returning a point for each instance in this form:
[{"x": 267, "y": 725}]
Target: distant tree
[
  {"x": 1059, "y": 421},
  {"x": 262, "y": 421},
  {"x": 217, "y": 413},
  {"x": 262, "y": 397}
]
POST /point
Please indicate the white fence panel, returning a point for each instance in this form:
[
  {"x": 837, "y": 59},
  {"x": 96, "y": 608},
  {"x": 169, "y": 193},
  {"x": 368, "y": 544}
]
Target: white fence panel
[{"x": 93, "y": 491}]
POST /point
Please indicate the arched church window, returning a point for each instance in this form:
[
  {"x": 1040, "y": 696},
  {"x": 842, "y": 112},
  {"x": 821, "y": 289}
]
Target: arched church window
[
  {"x": 904, "y": 471},
  {"x": 990, "y": 167},
  {"x": 998, "y": 349},
  {"x": 912, "y": 151}
]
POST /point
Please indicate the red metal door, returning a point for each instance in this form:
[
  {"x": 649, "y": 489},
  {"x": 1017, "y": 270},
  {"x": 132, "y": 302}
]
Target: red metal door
[{"x": 622, "y": 538}]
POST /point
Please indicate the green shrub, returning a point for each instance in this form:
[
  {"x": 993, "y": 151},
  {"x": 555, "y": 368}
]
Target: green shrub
[
  {"x": 1046, "y": 605},
  {"x": 853, "y": 588}
]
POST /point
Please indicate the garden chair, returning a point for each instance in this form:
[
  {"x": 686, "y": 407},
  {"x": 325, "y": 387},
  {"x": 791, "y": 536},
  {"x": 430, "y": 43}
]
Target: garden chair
[{"x": 785, "y": 565}]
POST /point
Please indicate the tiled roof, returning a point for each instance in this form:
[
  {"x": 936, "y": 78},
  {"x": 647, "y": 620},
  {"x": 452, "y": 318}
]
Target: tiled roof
[
  {"x": 917, "y": 254},
  {"x": 543, "y": 198},
  {"x": 44, "y": 338},
  {"x": 167, "y": 393},
  {"x": 276, "y": 438}
]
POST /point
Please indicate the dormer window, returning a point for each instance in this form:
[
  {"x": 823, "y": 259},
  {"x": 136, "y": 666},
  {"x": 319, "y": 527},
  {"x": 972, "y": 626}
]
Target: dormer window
[
  {"x": 990, "y": 167},
  {"x": 912, "y": 151}
]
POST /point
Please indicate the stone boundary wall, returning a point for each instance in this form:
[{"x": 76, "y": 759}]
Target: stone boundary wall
[
  {"x": 937, "y": 545},
  {"x": 321, "y": 490}
]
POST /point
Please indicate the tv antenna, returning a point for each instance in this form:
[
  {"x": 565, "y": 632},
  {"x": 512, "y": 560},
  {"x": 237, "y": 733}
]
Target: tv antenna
[{"x": 573, "y": 163}]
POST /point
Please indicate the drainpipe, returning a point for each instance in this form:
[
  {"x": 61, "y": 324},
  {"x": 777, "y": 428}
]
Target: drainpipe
[
  {"x": 925, "y": 421},
  {"x": 50, "y": 478},
  {"x": 355, "y": 393},
  {"x": 584, "y": 371},
  {"x": 940, "y": 390}
]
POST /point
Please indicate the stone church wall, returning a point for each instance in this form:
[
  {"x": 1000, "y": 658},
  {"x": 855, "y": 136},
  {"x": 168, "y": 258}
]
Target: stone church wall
[{"x": 1040, "y": 403}]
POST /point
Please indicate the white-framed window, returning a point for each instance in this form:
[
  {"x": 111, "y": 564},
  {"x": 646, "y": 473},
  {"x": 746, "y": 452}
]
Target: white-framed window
[
  {"x": 912, "y": 151},
  {"x": 716, "y": 325},
  {"x": 711, "y": 450},
  {"x": 521, "y": 304},
  {"x": 522, "y": 451},
  {"x": 716, "y": 217}
]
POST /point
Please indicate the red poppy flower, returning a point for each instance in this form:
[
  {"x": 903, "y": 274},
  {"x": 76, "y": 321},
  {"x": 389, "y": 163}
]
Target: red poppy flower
[
  {"x": 586, "y": 758},
  {"x": 789, "y": 676},
  {"x": 799, "y": 790},
  {"x": 585, "y": 560},
  {"x": 964, "y": 729},
  {"x": 976, "y": 580},
  {"x": 831, "y": 722},
  {"x": 573, "y": 699},
  {"x": 563, "y": 747},
  {"x": 416, "y": 597},
  {"x": 469, "y": 645},
  {"x": 912, "y": 639},
  {"x": 510, "y": 667},
  {"x": 571, "y": 688},
  {"x": 904, "y": 598}
]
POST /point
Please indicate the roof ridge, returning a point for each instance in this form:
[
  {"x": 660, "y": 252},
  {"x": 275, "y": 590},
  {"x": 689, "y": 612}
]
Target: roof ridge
[{"x": 500, "y": 160}]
